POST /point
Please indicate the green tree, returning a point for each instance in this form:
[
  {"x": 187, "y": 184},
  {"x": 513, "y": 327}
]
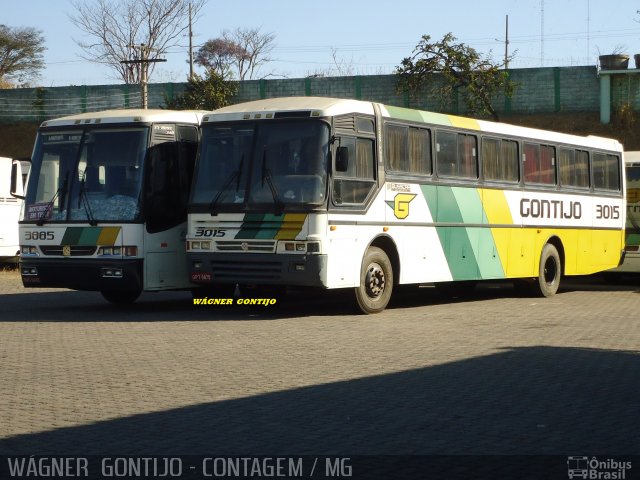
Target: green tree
[
  {"x": 462, "y": 69},
  {"x": 21, "y": 55},
  {"x": 208, "y": 93}
]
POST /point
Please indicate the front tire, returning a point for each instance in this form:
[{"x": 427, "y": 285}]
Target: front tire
[
  {"x": 376, "y": 282},
  {"x": 549, "y": 272},
  {"x": 121, "y": 297}
]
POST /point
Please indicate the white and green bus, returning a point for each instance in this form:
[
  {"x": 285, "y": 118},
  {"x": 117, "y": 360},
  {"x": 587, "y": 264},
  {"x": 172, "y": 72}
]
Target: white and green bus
[
  {"x": 335, "y": 193},
  {"x": 9, "y": 212},
  {"x": 632, "y": 234},
  {"x": 106, "y": 202}
]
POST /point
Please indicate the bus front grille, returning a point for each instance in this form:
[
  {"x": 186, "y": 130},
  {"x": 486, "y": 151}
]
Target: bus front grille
[
  {"x": 74, "y": 250},
  {"x": 246, "y": 271},
  {"x": 257, "y": 246}
]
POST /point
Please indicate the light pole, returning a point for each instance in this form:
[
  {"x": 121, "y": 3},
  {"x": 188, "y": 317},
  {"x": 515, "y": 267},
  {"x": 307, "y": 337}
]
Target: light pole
[{"x": 144, "y": 62}]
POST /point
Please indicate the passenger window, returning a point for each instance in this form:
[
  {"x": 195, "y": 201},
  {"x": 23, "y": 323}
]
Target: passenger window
[
  {"x": 408, "y": 150},
  {"x": 456, "y": 155},
  {"x": 500, "y": 160},
  {"x": 573, "y": 166},
  {"x": 539, "y": 164}
]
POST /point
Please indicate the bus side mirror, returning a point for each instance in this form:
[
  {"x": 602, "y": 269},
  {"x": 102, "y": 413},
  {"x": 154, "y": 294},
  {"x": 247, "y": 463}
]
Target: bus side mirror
[
  {"x": 17, "y": 188},
  {"x": 342, "y": 159}
]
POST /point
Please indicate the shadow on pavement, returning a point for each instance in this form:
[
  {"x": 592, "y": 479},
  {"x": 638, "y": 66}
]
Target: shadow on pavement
[{"x": 518, "y": 401}]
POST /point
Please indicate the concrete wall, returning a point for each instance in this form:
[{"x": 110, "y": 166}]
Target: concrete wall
[{"x": 539, "y": 90}]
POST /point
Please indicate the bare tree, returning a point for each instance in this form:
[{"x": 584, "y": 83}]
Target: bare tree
[
  {"x": 257, "y": 47},
  {"x": 341, "y": 67},
  {"x": 344, "y": 68},
  {"x": 133, "y": 31},
  {"x": 238, "y": 52},
  {"x": 21, "y": 52}
]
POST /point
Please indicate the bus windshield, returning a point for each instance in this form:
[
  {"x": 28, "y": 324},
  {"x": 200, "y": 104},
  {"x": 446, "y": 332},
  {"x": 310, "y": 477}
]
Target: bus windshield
[
  {"x": 281, "y": 164},
  {"x": 89, "y": 175}
]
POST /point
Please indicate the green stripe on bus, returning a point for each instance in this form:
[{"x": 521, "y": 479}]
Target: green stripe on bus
[
  {"x": 481, "y": 239},
  {"x": 471, "y": 252},
  {"x": 87, "y": 235},
  {"x": 260, "y": 226},
  {"x": 418, "y": 115}
]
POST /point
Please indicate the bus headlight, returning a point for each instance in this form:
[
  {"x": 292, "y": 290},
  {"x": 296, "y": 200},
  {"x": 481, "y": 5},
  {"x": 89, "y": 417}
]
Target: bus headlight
[
  {"x": 299, "y": 247},
  {"x": 198, "y": 245},
  {"x": 28, "y": 250},
  {"x": 128, "y": 251}
]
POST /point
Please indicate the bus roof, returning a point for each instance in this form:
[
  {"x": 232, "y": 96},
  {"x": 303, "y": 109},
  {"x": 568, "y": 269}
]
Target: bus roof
[
  {"x": 316, "y": 106},
  {"x": 127, "y": 116},
  {"x": 326, "y": 107},
  {"x": 632, "y": 156}
]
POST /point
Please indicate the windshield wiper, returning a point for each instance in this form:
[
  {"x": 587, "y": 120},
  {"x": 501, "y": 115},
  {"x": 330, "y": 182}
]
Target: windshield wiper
[
  {"x": 84, "y": 199},
  {"x": 235, "y": 175},
  {"x": 61, "y": 192},
  {"x": 266, "y": 175}
]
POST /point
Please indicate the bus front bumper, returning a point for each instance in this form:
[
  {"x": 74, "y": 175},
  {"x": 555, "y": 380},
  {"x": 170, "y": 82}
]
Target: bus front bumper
[
  {"x": 82, "y": 274},
  {"x": 258, "y": 269}
]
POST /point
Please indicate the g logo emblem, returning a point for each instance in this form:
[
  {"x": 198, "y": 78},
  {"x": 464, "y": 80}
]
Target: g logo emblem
[{"x": 401, "y": 204}]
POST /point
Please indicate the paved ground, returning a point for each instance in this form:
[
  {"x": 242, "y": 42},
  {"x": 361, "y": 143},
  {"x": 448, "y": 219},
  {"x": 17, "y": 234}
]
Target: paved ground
[{"x": 491, "y": 373}]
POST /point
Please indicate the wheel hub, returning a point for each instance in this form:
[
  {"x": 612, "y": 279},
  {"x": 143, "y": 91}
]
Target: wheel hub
[
  {"x": 550, "y": 270},
  {"x": 375, "y": 281}
]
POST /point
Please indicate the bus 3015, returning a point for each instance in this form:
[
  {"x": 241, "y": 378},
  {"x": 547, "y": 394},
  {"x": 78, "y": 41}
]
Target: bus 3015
[{"x": 335, "y": 193}]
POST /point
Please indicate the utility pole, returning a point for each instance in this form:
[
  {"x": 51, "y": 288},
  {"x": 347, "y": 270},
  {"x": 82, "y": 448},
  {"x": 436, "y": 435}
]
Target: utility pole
[
  {"x": 506, "y": 44},
  {"x": 144, "y": 62},
  {"x": 190, "y": 45},
  {"x": 542, "y": 33}
]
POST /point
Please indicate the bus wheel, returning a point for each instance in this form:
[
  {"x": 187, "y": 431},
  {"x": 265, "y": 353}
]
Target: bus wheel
[
  {"x": 549, "y": 272},
  {"x": 376, "y": 281},
  {"x": 121, "y": 297}
]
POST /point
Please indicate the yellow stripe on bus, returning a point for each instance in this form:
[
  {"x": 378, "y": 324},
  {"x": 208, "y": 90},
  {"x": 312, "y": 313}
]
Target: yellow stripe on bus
[
  {"x": 497, "y": 212},
  {"x": 108, "y": 236},
  {"x": 291, "y": 226},
  {"x": 463, "y": 122}
]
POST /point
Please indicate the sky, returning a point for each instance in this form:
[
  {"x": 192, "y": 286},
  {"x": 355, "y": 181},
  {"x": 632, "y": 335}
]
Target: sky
[{"x": 362, "y": 37}]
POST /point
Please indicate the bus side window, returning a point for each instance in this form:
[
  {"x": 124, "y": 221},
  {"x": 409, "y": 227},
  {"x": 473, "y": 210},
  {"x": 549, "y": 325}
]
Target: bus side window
[
  {"x": 353, "y": 185},
  {"x": 457, "y": 155}
]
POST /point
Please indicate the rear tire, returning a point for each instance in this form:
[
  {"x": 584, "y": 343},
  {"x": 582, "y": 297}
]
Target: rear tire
[
  {"x": 121, "y": 297},
  {"x": 549, "y": 272},
  {"x": 376, "y": 282}
]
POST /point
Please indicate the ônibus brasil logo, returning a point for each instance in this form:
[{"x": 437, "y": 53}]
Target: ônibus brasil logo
[{"x": 594, "y": 468}]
